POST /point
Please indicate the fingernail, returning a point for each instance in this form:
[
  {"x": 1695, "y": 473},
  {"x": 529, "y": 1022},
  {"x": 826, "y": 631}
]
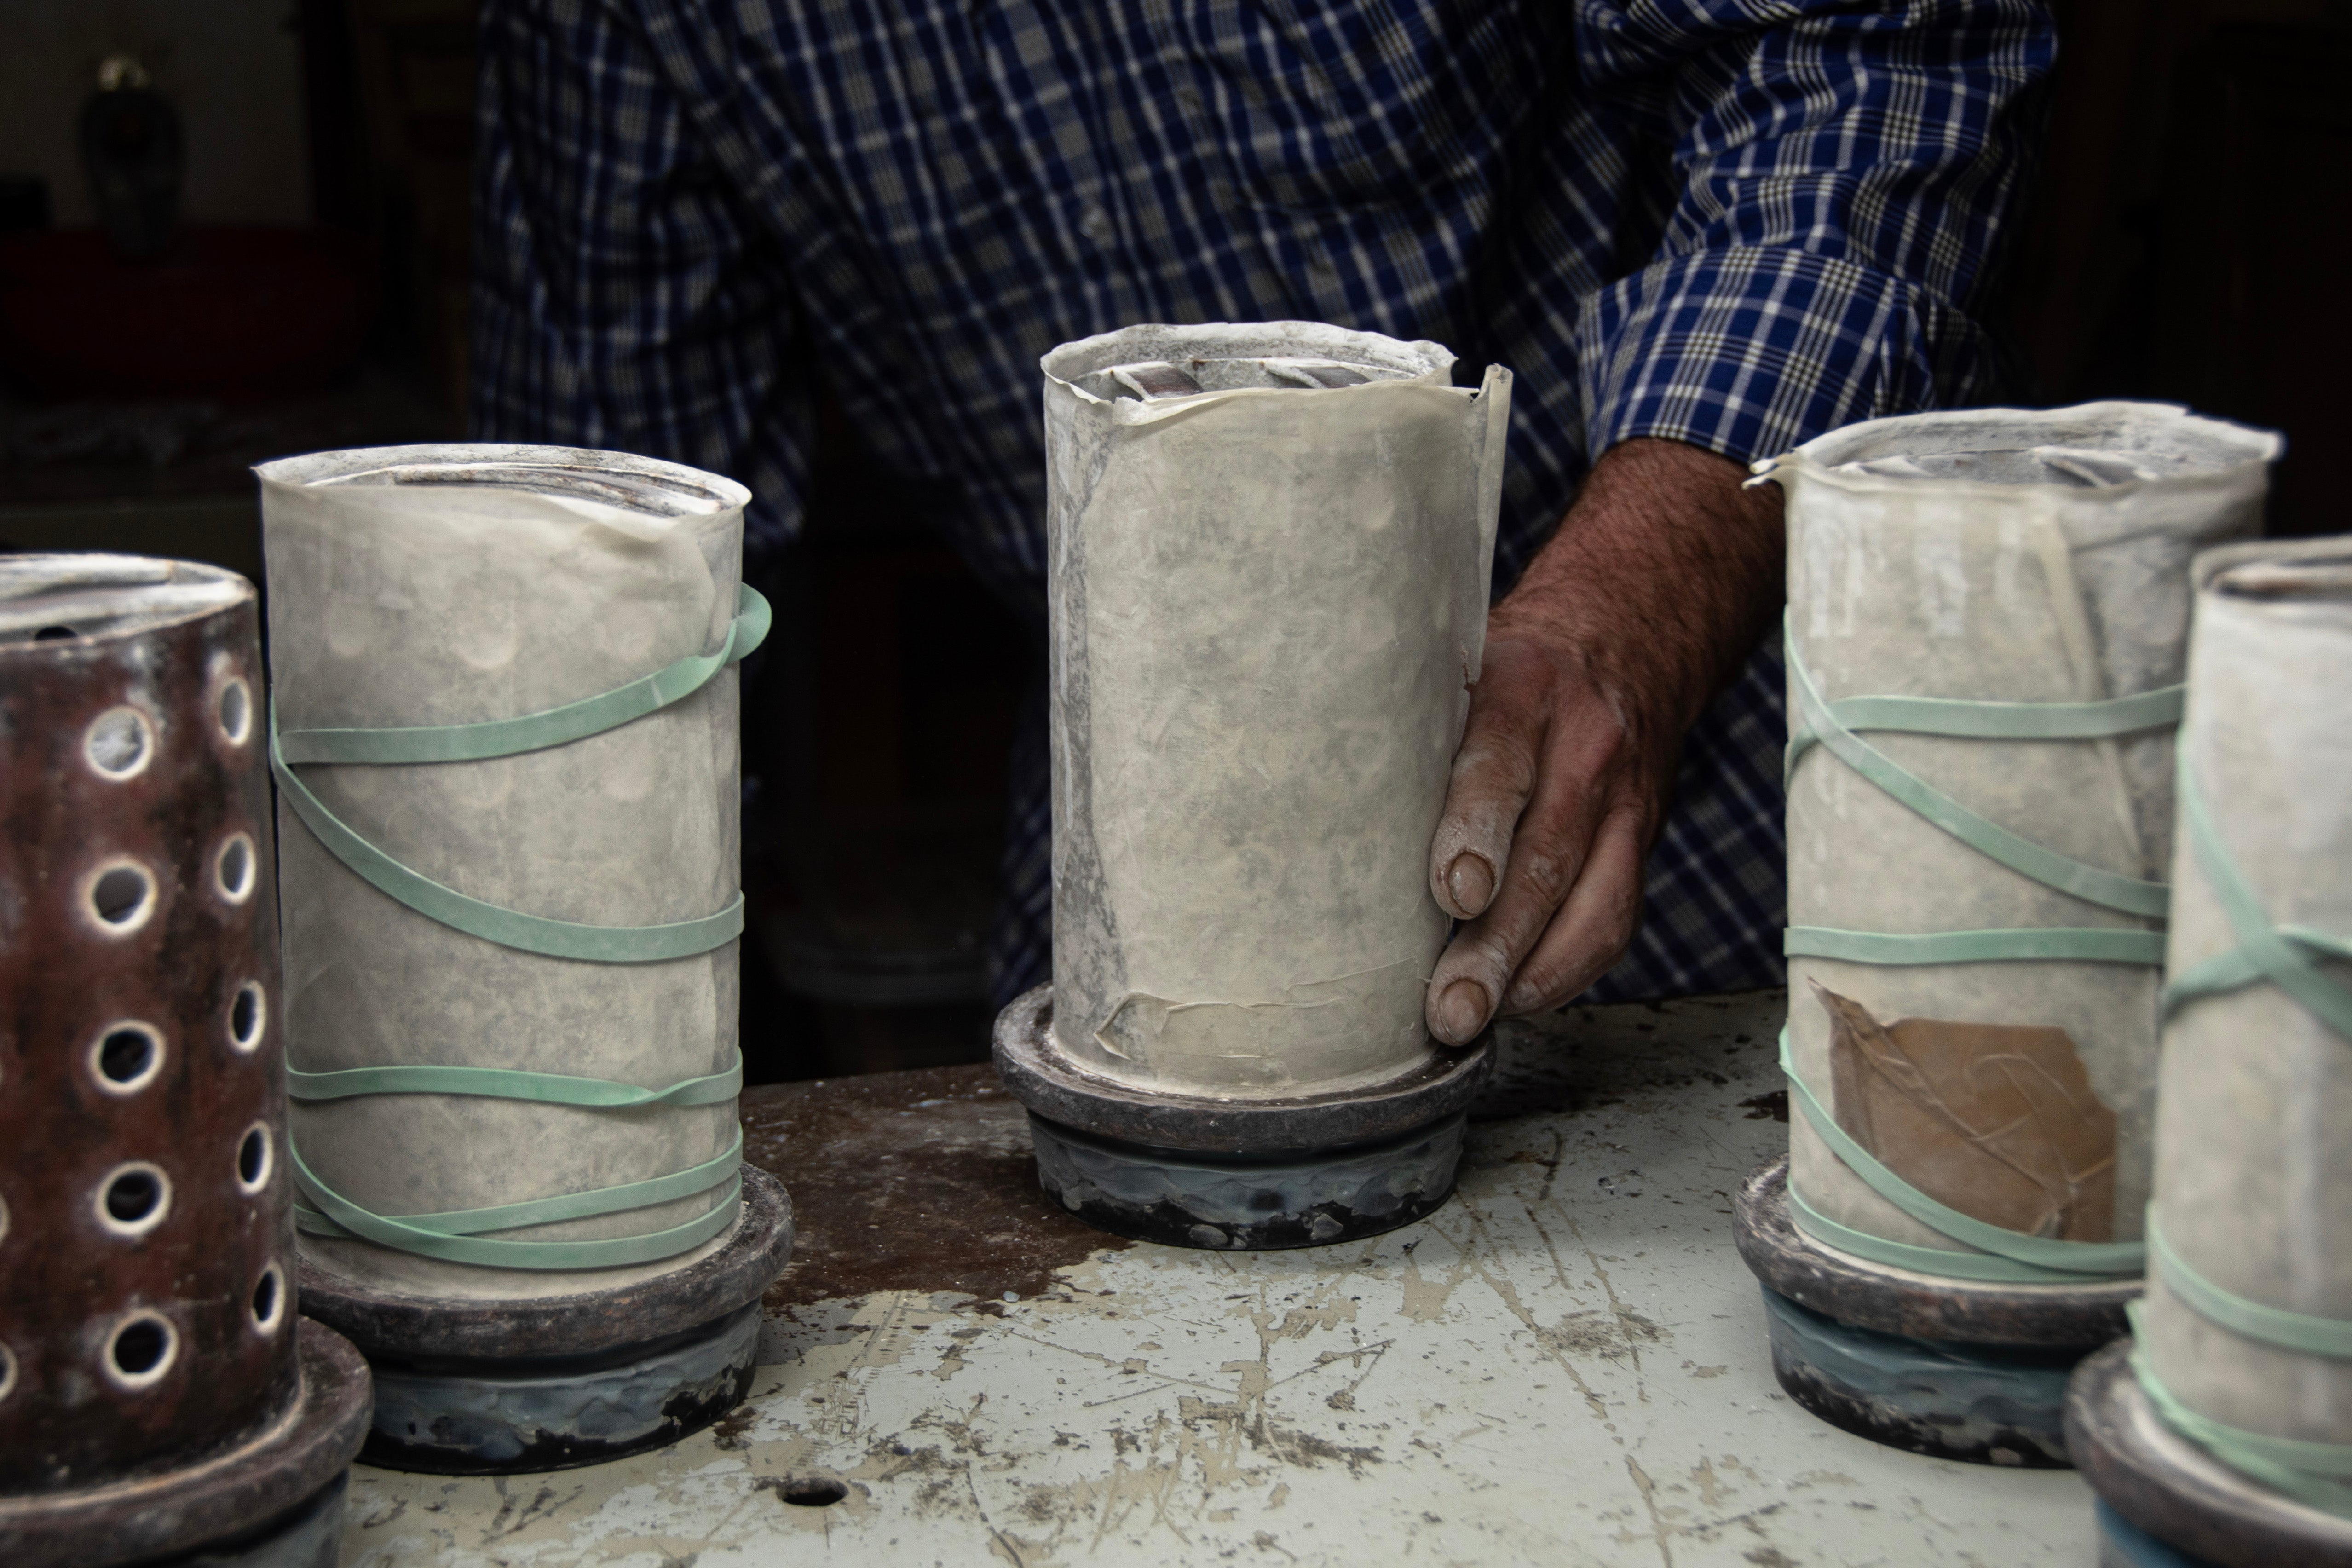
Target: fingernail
[
  {"x": 1462, "y": 1010},
  {"x": 1471, "y": 880}
]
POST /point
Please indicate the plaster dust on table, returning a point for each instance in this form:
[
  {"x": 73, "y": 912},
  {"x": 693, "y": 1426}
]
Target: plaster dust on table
[{"x": 1541, "y": 1373}]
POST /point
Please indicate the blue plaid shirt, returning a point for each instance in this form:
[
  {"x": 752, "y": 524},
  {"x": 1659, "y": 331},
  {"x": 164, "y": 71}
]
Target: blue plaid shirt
[{"x": 1735, "y": 222}]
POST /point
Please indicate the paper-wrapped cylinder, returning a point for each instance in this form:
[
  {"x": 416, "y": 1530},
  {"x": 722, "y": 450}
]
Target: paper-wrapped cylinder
[
  {"x": 1987, "y": 622},
  {"x": 507, "y": 713},
  {"x": 2248, "y": 1318},
  {"x": 1269, "y": 548},
  {"x": 146, "y": 1240}
]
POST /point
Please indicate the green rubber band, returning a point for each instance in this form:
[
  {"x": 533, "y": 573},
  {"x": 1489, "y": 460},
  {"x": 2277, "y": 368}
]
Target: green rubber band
[
  {"x": 451, "y": 1237},
  {"x": 2079, "y": 1260},
  {"x": 2330, "y": 1337},
  {"x": 553, "y": 726},
  {"x": 2286, "y": 956},
  {"x": 509, "y": 1083},
  {"x": 2297, "y": 1466},
  {"x": 1969, "y": 719},
  {"x": 2076, "y": 879},
  {"x": 2090, "y": 945},
  {"x": 1935, "y": 1260},
  {"x": 492, "y": 922},
  {"x": 505, "y": 737}
]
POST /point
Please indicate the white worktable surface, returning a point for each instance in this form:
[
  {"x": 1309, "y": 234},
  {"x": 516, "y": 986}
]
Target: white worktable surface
[{"x": 1565, "y": 1365}]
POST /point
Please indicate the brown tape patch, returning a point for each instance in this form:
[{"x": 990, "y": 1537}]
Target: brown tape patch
[{"x": 1997, "y": 1120}]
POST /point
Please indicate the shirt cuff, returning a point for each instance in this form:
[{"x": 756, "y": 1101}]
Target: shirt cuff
[{"x": 1752, "y": 350}]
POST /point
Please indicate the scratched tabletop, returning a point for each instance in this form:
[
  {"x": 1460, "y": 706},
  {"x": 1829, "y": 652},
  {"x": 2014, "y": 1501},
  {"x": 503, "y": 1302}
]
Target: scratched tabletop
[{"x": 1564, "y": 1365}]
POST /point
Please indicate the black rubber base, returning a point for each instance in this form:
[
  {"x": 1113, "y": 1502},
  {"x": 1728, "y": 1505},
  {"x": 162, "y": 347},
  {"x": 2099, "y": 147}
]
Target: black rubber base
[
  {"x": 2123, "y": 1544},
  {"x": 1960, "y": 1369},
  {"x": 2170, "y": 1490},
  {"x": 495, "y": 1387},
  {"x": 256, "y": 1505},
  {"x": 1248, "y": 1203},
  {"x": 519, "y": 1415},
  {"x": 1982, "y": 1405}
]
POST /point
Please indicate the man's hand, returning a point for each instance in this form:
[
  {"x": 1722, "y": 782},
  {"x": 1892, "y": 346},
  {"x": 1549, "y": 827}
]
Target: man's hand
[{"x": 1663, "y": 577}]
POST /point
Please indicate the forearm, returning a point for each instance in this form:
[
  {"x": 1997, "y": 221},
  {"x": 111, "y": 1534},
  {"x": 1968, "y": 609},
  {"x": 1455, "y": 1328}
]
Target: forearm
[{"x": 1665, "y": 575}]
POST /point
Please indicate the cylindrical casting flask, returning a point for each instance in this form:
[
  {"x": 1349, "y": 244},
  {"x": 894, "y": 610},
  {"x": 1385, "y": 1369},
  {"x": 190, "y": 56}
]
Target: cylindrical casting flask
[
  {"x": 1986, "y": 629},
  {"x": 147, "y": 1301},
  {"x": 506, "y": 711},
  {"x": 2245, "y": 1335},
  {"x": 1269, "y": 547}
]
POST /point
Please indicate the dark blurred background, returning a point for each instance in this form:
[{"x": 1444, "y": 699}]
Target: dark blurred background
[{"x": 272, "y": 257}]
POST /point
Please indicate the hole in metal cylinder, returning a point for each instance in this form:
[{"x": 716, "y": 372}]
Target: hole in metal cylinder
[
  {"x": 127, "y": 1055},
  {"x": 268, "y": 1299},
  {"x": 132, "y": 1196},
  {"x": 133, "y": 1199},
  {"x": 119, "y": 896},
  {"x": 246, "y": 1016},
  {"x": 55, "y": 634},
  {"x": 119, "y": 742},
  {"x": 234, "y": 871},
  {"x": 235, "y": 710},
  {"x": 253, "y": 1159},
  {"x": 143, "y": 1349}
]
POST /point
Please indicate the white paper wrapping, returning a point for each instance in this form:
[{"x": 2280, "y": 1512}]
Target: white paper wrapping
[
  {"x": 430, "y": 603},
  {"x": 1997, "y": 555},
  {"x": 1266, "y": 602},
  {"x": 2253, "y": 1172}
]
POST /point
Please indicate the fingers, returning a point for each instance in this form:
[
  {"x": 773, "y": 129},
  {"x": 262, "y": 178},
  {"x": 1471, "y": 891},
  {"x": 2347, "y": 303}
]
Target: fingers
[
  {"x": 1593, "y": 927},
  {"x": 1494, "y": 775},
  {"x": 1548, "y": 858}
]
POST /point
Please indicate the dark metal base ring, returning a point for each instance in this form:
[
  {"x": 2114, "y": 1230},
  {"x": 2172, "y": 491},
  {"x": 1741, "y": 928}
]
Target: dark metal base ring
[
  {"x": 310, "y": 1537},
  {"x": 1248, "y": 1203},
  {"x": 1237, "y": 1175},
  {"x": 2166, "y": 1495},
  {"x": 475, "y": 1387},
  {"x": 274, "y": 1501},
  {"x": 1042, "y": 1077},
  {"x": 1867, "y": 1295}
]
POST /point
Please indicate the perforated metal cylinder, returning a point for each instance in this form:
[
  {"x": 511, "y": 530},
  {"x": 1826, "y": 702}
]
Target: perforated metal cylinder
[{"x": 146, "y": 1244}]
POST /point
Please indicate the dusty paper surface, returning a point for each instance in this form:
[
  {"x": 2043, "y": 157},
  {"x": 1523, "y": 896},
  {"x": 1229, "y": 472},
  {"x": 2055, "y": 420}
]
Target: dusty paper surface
[
  {"x": 445, "y": 604},
  {"x": 1996, "y": 1122},
  {"x": 2253, "y": 1177},
  {"x": 1266, "y": 603},
  {"x": 1996, "y": 573}
]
